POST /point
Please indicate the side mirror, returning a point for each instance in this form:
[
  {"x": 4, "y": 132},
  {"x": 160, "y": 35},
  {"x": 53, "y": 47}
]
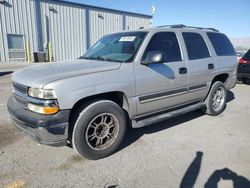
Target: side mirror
[{"x": 154, "y": 57}]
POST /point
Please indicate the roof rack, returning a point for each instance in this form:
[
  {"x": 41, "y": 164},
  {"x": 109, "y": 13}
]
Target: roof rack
[{"x": 184, "y": 26}]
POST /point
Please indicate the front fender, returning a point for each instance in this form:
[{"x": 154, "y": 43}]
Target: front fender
[{"x": 69, "y": 91}]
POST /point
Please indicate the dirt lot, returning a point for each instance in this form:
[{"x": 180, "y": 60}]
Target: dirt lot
[{"x": 193, "y": 150}]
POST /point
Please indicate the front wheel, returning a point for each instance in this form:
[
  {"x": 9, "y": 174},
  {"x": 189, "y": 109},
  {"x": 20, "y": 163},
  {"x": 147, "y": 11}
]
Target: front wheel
[
  {"x": 216, "y": 99},
  {"x": 99, "y": 130}
]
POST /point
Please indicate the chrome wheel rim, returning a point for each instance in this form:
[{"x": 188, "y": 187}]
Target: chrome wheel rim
[
  {"x": 218, "y": 99},
  {"x": 102, "y": 131}
]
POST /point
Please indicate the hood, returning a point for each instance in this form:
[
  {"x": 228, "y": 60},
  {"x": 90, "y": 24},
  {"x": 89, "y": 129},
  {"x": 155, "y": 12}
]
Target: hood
[{"x": 38, "y": 75}]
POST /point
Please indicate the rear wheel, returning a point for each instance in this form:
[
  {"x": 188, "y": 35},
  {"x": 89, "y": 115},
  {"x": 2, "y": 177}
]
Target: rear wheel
[
  {"x": 99, "y": 130},
  {"x": 216, "y": 99},
  {"x": 245, "y": 81}
]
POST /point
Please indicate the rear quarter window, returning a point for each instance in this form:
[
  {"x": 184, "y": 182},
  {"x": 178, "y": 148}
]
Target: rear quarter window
[{"x": 221, "y": 44}]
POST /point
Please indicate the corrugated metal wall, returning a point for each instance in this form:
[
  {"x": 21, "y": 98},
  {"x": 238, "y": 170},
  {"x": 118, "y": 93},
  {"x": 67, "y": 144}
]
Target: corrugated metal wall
[
  {"x": 17, "y": 17},
  {"x": 135, "y": 22},
  {"x": 63, "y": 26},
  {"x": 70, "y": 28},
  {"x": 102, "y": 23}
]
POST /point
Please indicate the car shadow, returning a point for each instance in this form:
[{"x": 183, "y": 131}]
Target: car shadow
[
  {"x": 5, "y": 73},
  {"x": 230, "y": 96},
  {"x": 134, "y": 134}
]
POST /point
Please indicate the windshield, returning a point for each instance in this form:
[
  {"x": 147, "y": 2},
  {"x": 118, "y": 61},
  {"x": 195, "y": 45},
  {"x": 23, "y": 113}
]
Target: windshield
[{"x": 120, "y": 47}]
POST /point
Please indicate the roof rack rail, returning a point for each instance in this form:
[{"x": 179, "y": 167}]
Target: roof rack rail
[
  {"x": 184, "y": 26},
  {"x": 173, "y": 26}
]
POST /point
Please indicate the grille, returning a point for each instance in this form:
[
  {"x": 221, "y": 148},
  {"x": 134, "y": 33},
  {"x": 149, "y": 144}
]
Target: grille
[
  {"x": 21, "y": 100},
  {"x": 20, "y": 88}
]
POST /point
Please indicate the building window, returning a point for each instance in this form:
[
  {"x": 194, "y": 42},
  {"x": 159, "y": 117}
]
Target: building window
[{"x": 15, "y": 42}]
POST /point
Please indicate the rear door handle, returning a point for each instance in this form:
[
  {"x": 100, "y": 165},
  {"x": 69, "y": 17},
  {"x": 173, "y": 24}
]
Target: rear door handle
[
  {"x": 183, "y": 70},
  {"x": 211, "y": 66}
]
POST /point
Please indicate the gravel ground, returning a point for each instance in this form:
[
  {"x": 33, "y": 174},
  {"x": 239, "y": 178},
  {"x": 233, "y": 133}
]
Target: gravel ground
[{"x": 193, "y": 150}]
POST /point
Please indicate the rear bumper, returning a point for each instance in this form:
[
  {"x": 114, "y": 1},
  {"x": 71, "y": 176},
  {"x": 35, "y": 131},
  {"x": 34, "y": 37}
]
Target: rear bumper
[
  {"x": 243, "y": 75},
  {"x": 45, "y": 129}
]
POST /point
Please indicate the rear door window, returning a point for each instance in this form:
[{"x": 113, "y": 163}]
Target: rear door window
[
  {"x": 166, "y": 42},
  {"x": 221, "y": 44},
  {"x": 195, "y": 45}
]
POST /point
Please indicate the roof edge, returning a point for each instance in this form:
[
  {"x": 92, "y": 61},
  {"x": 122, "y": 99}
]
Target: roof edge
[{"x": 101, "y": 8}]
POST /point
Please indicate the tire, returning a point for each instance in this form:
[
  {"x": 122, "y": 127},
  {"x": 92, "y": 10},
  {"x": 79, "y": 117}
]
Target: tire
[
  {"x": 245, "y": 81},
  {"x": 239, "y": 80},
  {"x": 99, "y": 130},
  {"x": 216, "y": 99}
]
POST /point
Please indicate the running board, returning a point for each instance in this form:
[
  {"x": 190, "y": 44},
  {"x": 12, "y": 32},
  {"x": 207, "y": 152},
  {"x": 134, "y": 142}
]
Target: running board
[{"x": 166, "y": 116}]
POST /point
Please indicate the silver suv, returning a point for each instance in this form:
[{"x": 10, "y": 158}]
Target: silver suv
[{"x": 133, "y": 78}]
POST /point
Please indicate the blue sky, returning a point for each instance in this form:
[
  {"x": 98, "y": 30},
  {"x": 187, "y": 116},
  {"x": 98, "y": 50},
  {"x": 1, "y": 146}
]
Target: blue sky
[{"x": 229, "y": 16}]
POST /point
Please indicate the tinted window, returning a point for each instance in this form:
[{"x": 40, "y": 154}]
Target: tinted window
[
  {"x": 166, "y": 42},
  {"x": 221, "y": 44},
  {"x": 247, "y": 56},
  {"x": 196, "y": 46}
]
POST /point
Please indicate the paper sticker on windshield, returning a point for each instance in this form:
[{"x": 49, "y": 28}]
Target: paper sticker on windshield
[{"x": 127, "y": 39}]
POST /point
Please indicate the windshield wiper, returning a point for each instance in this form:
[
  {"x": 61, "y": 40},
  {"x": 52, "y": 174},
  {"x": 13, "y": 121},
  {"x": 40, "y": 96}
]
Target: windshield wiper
[
  {"x": 87, "y": 57},
  {"x": 101, "y": 58},
  {"x": 107, "y": 59}
]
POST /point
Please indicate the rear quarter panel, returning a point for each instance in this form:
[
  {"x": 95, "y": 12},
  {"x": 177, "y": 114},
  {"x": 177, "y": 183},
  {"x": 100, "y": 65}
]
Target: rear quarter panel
[{"x": 223, "y": 64}]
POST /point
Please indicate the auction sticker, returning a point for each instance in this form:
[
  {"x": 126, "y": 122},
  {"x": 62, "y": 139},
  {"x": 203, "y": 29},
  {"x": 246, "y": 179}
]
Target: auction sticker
[{"x": 127, "y": 39}]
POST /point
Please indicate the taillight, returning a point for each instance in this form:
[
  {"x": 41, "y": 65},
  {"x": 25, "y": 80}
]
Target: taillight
[{"x": 242, "y": 61}]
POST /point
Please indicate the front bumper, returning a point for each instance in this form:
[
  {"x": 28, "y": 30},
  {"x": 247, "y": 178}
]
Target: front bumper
[{"x": 45, "y": 129}]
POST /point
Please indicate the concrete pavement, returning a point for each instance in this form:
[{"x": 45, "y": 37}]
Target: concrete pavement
[{"x": 193, "y": 150}]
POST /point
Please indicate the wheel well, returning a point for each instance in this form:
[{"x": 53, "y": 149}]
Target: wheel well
[
  {"x": 118, "y": 97},
  {"x": 221, "y": 77}
]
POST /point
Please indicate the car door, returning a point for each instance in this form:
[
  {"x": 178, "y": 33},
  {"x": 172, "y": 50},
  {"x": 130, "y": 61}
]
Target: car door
[
  {"x": 162, "y": 85},
  {"x": 200, "y": 64}
]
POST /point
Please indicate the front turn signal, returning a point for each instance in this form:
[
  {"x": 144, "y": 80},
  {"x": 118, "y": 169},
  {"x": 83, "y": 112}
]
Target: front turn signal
[{"x": 47, "y": 110}]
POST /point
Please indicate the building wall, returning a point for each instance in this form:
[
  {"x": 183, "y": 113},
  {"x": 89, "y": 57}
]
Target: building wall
[
  {"x": 102, "y": 23},
  {"x": 17, "y": 17},
  {"x": 135, "y": 22},
  {"x": 70, "y": 28},
  {"x": 64, "y": 27}
]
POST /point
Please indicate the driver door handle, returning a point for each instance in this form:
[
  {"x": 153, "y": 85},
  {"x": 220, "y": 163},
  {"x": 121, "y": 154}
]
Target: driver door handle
[
  {"x": 211, "y": 66},
  {"x": 183, "y": 70}
]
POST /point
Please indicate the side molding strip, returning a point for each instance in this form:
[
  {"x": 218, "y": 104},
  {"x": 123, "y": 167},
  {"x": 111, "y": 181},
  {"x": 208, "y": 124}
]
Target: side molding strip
[
  {"x": 171, "y": 93},
  {"x": 197, "y": 87},
  {"x": 162, "y": 95}
]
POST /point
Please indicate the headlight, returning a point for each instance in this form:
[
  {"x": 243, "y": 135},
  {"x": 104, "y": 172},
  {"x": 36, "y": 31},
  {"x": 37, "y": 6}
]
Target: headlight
[{"x": 42, "y": 93}]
